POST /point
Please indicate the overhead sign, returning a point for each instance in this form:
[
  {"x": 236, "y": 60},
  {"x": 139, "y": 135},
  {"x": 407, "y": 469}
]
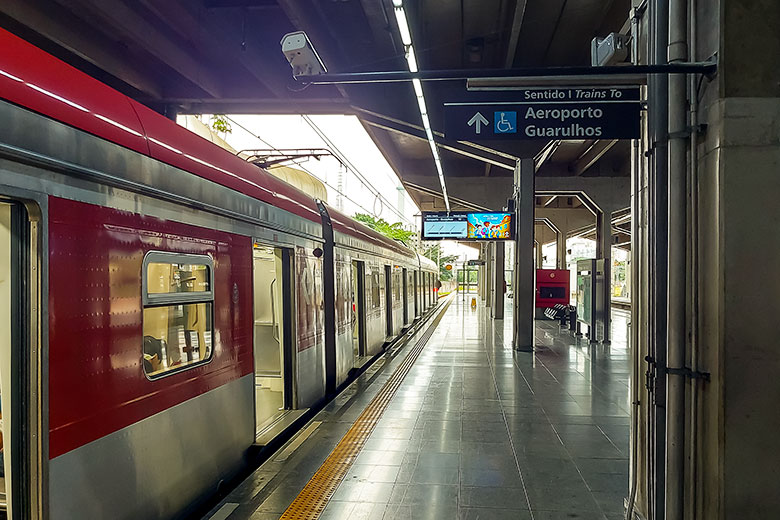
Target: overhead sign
[
  {"x": 549, "y": 113},
  {"x": 461, "y": 225},
  {"x": 475, "y": 262}
]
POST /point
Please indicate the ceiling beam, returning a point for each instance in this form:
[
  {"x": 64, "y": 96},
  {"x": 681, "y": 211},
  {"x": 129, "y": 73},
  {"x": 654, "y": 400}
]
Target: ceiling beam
[
  {"x": 592, "y": 154},
  {"x": 437, "y": 195},
  {"x": 514, "y": 37},
  {"x": 62, "y": 27},
  {"x": 418, "y": 132},
  {"x": 337, "y": 106},
  {"x": 545, "y": 154},
  {"x": 120, "y": 18}
]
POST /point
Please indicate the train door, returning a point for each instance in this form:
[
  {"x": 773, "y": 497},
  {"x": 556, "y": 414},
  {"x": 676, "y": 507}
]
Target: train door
[
  {"x": 389, "y": 300},
  {"x": 16, "y": 286},
  {"x": 272, "y": 338},
  {"x": 405, "y": 296},
  {"x": 6, "y": 275},
  {"x": 358, "y": 311},
  {"x": 417, "y": 312}
]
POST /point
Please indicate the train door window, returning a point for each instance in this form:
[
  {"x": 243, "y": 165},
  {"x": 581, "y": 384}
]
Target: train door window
[
  {"x": 375, "y": 278},
  {"x": 178, "y": 298},
  {"x": 405, "y": 295},
  {"x": 358, "y": 310},
  {"x": 389, "y": 301},
  {"x": 271, "y": 312}
]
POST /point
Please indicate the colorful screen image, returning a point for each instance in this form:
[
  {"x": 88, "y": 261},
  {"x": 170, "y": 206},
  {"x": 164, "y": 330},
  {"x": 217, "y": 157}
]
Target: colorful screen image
[{"x": 486, "y": 226}]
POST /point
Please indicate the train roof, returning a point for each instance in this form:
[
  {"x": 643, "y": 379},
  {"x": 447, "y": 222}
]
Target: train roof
[
  {"x": 343, "y": 223},
  {"x": 38, "y": 81}
]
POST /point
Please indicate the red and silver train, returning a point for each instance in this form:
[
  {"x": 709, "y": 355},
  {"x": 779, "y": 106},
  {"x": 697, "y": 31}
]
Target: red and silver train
[{"x": 162, "y": 302}]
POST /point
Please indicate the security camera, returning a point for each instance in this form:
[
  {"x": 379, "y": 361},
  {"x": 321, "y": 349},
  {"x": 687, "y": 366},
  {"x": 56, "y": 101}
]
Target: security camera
[{"x": 301, "y": 54}]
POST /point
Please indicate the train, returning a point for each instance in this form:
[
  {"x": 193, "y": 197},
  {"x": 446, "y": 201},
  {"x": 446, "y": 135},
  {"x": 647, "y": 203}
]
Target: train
[{"x": 164, "y": 305}]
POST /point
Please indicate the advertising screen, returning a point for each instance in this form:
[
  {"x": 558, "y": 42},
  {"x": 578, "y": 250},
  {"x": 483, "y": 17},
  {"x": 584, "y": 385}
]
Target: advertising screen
[
  {"x": 466, "y": 226},
  {"x": 489, "y": 226}
]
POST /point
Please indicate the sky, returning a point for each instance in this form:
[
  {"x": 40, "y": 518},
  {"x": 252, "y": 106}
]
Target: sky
[{"x": 366, "y": 185}]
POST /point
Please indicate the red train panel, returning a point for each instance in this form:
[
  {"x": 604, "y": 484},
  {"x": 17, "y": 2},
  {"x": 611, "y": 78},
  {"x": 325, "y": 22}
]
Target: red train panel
[{"x": 95, "y": 319}]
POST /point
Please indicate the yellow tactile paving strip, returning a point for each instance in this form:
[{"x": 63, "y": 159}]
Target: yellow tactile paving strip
[{"x": 313, "y": 498}]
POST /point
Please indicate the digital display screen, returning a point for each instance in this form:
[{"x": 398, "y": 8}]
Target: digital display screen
[
  {"x": 466, "y": 226},
  {"x": 489, "y": 226}
]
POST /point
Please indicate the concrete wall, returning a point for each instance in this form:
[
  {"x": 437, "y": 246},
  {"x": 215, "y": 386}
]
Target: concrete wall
[{"x": 733, "y": 421}]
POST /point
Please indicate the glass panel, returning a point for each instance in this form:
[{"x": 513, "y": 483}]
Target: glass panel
[
  {"x": 166, "y": 278},
  {"x": 376, "y": 291},
  {"x": 176, "y": 336}
]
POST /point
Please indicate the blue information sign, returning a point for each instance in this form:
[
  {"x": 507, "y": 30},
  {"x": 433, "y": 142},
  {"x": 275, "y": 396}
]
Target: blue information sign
[{"x": 549, "y": 114}]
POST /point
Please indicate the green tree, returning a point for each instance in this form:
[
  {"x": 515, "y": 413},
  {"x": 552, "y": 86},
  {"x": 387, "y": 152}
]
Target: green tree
[
  {"x": 221, "y": 123},
  {"x": 395, "y": 231},
  {"x": 434, "y": 253}
]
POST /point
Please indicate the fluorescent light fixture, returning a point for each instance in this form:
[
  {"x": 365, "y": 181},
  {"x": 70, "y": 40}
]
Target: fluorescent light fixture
[
  {"x": 416, "y": 83},
  {"x": 411, "y": 60},
  {"x": 421, "y": 104},
  {"x": 403, "y": 27},
  {"x": 426, "y": 122}
]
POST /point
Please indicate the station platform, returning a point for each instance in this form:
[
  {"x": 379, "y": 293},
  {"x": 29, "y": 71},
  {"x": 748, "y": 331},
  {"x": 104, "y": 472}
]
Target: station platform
[{"x": 455, "y": 424}]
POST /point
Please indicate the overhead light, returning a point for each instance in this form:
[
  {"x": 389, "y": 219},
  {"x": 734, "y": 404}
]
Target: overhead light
[
  {"x": 411, "y": 60},
  {"x": 421, "y": 103},
  {"x": 403, "y": 27},
  {"x": 426, "y": 122},
  {"x": 416, "y": 83}
]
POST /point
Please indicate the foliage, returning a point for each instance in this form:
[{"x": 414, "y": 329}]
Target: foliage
[
  {"x": 395, "y": 231},
  {"x": 434, "y": 253},
  {"x": 221, "y": 123}
]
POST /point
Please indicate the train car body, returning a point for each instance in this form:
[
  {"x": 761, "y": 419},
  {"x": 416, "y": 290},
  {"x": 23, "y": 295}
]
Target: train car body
[{"x": 164, "y": 305}]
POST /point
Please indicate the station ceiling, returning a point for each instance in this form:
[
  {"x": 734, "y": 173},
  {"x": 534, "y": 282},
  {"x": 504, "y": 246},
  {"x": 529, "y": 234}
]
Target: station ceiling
[{"x": 223, "y": 56}]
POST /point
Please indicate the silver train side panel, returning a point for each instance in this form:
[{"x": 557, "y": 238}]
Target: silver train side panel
[
  {"x": 160, "y": 466},
  {"x": 309, "y": 328},
  {"x": 345, "y": 316},
  {"x": 376, "y": 307}
]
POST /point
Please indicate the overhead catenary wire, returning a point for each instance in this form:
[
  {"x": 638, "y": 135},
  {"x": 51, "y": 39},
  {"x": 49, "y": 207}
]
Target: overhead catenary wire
[
  {"x": 348, "y": 164},
  {"x": 299, "y": 165}
]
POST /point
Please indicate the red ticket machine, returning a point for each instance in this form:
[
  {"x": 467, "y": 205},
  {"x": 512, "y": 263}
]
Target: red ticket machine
[{"x": 552, "y": 286}]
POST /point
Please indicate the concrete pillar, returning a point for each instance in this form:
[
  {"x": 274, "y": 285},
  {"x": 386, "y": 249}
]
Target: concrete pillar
[
  {"x": 498, "y": 281},
  {"x": 604, "y": 250},
  {"x": 524, "y": 282},
  {"x": 560, "y": 247}
]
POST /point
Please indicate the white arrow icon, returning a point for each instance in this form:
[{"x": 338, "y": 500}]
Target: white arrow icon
[{"x": 480, "y": 120}]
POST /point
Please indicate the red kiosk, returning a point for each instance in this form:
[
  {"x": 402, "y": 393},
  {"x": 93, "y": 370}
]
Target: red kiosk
[{"x": 552, "y": 287}]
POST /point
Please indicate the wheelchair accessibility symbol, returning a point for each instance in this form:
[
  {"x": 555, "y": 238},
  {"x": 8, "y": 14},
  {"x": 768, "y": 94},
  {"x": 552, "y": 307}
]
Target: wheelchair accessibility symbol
[{"x": 505, "y": 122}]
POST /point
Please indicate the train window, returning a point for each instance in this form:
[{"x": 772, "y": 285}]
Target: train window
[
  {"x": 397, "y": 281},
  {"x": 178, "y": 311},
  {"x": 376, "y": 297}
]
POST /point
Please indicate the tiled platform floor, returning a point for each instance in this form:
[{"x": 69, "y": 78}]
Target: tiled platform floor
[{"x": 476, "y": 431}]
